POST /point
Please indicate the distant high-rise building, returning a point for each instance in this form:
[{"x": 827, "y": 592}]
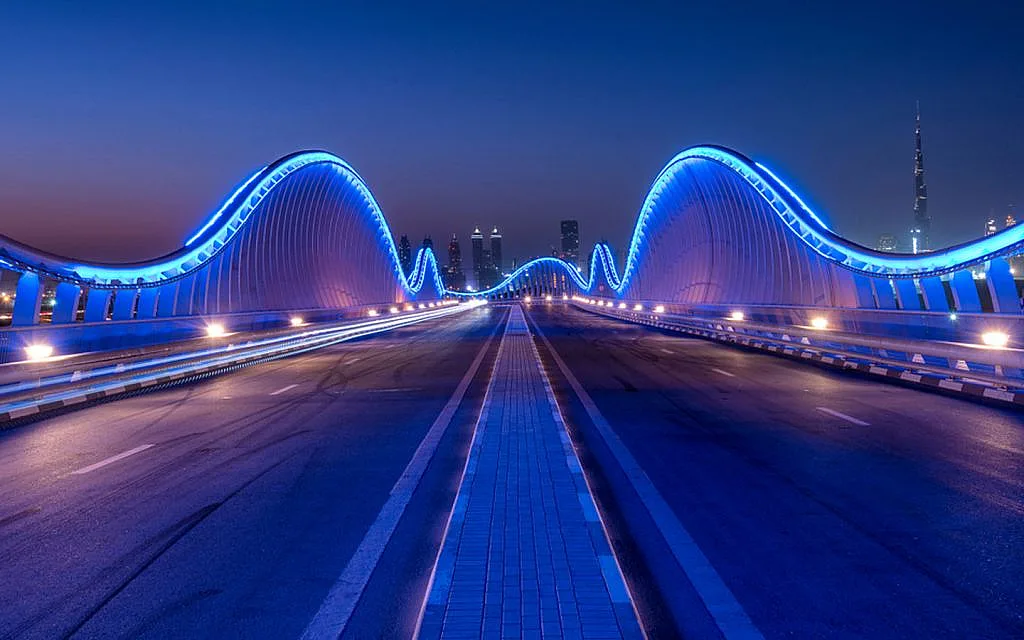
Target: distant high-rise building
[
  {"x": 496, "y": 251},
  {"x": 1011, "y": 216},
  {"x": 990, "y": 227},
  {"x": 887, "y": 242},
  {"x": 455, "y": 277},
  {"x": 477, "y": 242},
  {"x": 571, "y": 242},
  {"x": 405, "y": 254},
  {"x": 920, "y": 234}
]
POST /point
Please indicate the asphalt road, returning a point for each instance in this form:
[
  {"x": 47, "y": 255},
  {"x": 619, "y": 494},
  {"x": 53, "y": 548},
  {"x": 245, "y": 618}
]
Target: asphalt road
[
  {"x": 830, "y": 505},
  {"x": 229, "y": 508}
]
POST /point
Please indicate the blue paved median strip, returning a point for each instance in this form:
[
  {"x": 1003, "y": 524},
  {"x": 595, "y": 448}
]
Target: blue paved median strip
[{"x": 525, "y": 553}]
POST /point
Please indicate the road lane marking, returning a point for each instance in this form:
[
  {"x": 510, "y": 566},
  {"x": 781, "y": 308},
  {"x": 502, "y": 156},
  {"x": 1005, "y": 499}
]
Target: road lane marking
[
  {"x": 283, "y": 389},
  {"x": 726, "y": 611},
  {"x": 668, "y": 351},
  {"x": 843, "y": 416},
  {"x": 352, "y": 361},
  {"x": 724, "y": 373},
  {"x": 337, "y": 608},
  {"x": 111, "y": 459}
]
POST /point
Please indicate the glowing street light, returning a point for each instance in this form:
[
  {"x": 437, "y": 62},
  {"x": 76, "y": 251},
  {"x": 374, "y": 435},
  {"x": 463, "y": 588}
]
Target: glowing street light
[
  {"x": 547, "y": 298},
  {"x": 622, "y": 305},
  {"x": 819, "y": 322},
  {"x": 995, "y": 339},
  {"x": 296, "y": 321},
  {"x": 37, "y": 352},
  {"x": 372, "y": 313},
  {"x": 528, "y": 299},
  {"x": 638, "y": 307},
  {"x": 737, "y": 316},
  {"x": 952, "y": 316},
  {"x": 393, "y": 309},
  {"x": 659, "y": 309},
  {"x": 215, "y": 330}
]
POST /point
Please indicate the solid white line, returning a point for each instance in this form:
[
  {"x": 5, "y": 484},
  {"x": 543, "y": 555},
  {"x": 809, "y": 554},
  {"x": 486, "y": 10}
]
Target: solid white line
[
  {"x": 352, "y": 361},
  {"x": 337, "y": 608},
  {"x": 725, "y": 373},
  {"x": 843, "y": 416},
  {"x": 667, "y": 351},
  {"x": 120, "y": 456},
  {"x": 730, "y": 617},
  {"x": 283, "y": 389}
]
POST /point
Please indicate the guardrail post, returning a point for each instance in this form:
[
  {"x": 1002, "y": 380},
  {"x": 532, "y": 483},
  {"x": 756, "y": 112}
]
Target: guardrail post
[
  {"x": 965, "y": 292},
  {"x": 1001, "y": 286},
  {"x": 65, "y": 308},
  {"x": 934, "y": 294},
  {"x": 96, "y": 305}
]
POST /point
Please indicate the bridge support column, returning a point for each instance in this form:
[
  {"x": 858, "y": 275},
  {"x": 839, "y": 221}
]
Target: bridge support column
[
  {"x": 183, "y": 306},
  {"x": 1001, "y": 286},
  {"x": 28, "y": 297},
  {"x": 883, "y": 293},
  {"x": 167, "y": 300},
  {"x": 865, "y": 293},
  {"x": 96, "y": 305},
  {"x": 934, "y": 294},
  {"x": 147, "y": 303},
  {"x": 906, "y": 293},
  {"x": 65, "y": 307},
  {"x": 124, "y": 303},
  {"x": 965, "y": 292}
]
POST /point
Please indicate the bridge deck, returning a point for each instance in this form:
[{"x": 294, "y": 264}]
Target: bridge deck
[{"x": 525, "y": 553}]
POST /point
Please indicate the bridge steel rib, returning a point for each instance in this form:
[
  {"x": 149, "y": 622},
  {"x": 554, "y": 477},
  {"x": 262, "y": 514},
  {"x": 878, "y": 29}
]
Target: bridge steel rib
[{"x": 715, "y": 228}]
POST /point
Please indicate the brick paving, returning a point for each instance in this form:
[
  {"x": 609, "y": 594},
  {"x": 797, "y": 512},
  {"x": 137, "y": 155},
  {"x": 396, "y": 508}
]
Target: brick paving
[{"x": 525, "y": 554}]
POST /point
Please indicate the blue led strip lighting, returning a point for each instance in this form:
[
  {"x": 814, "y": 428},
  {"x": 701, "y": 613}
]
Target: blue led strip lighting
[{"x": 221, "y": 227}]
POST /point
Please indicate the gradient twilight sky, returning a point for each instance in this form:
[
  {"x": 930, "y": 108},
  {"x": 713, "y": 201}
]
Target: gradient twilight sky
[{"x": 123, "y": 124}]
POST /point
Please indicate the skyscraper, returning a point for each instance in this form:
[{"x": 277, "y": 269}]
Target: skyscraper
[
  {"x": 477, "y": 242},
  {"x": 496, "y": 251},
  {"x": 405, "y": 254},
  {"x": 887, "y": 242},
  {"x": 920, "y": 235},
  {"x": 571, "y": 242},
  {"x": 990, "y": 227},
  {"x": 455, "y": 277}
]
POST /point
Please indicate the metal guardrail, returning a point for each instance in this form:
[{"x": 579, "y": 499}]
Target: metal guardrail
[{"x": 992, "y": 373}]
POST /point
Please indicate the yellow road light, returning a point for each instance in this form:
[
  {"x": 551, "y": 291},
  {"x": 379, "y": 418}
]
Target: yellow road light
[
  {"x": 995, "y": 339},
  {"x": 819, "y": 322},
  {"x": 297, "y": 321},
  {"x": 38, "y": 351},
  {"x": 215, "y": 330}
]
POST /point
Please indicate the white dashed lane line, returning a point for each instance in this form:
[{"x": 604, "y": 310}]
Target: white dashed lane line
[
  {"x": 843, "y": 416},
  {"x": 724, "y": 373},
  {"x": 283, "y": 389},
  {"x": 111, "y": 459}
]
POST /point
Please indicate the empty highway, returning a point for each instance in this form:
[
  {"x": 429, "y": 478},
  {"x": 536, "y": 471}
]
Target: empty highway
[{"x": 742, "y": 493}]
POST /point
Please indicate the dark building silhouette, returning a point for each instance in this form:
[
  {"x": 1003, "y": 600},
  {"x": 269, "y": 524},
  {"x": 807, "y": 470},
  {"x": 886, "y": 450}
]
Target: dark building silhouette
[
  {"x": 428, "y": 243},
  {"x": 920, "y": 235},
  {"x": 571, "y": 242},
  {"x": 496, "y": 262},
  {"x": 455, "y": 277},
  {"x": 405, "y": 254}
]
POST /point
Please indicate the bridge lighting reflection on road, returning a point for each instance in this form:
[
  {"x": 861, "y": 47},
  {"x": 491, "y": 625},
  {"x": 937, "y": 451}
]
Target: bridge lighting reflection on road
[
  {"x": 738, "y": 316},
  {"x": 37, "y": 352},
  {"x": 215, "y": 330},
  {"x": 297, "y": 321},
  {"x": 819, "y": 322},
  {"x": 659, "y": 309},
  {"x": 995, "y": 339}
]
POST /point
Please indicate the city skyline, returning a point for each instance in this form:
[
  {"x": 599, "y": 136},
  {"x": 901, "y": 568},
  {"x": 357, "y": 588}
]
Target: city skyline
[{"x": 845, "y": 145}]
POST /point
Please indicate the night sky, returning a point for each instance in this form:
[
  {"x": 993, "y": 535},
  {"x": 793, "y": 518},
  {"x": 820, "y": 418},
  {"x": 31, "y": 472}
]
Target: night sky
[{"x": 123, "y": 125}]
